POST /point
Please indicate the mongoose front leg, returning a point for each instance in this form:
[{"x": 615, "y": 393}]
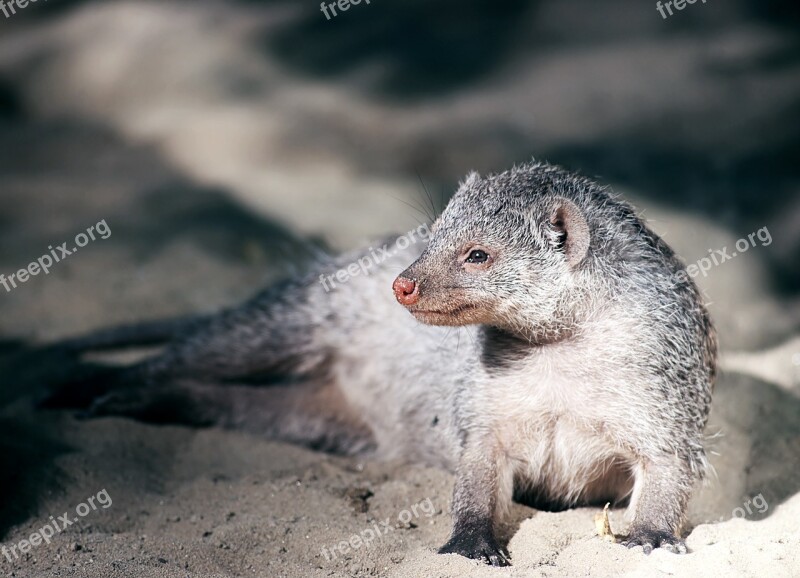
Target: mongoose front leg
[
  {"x": 482, "y": 484},
  {"x": 660, "y": 495}
]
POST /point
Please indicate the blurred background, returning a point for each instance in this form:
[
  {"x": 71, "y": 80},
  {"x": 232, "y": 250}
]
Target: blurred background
[{"x": 224, "y": 142}]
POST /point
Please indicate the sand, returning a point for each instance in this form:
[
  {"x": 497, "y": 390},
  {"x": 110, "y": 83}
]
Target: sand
[{"x": 216, "y": 165}]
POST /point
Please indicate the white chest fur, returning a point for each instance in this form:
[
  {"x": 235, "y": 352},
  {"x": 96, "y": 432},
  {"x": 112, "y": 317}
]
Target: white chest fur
[{"x": 557, "y": 427}]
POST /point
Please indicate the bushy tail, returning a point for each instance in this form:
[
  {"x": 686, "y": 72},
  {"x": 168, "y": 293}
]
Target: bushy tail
[
  {"x": 69, "y": 380},
  {"x": 270, "y": 339}
]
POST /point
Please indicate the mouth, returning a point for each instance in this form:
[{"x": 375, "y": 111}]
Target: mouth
[{"x": 430, "y": 315}]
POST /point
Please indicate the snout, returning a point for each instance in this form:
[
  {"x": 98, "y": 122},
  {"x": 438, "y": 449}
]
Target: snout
[{"x": 406, "y": 291}]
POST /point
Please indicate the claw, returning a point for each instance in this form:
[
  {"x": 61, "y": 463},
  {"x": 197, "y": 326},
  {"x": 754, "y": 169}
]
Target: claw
[
  {"x": 499, "y": 559},
  {"x": 476, "y": 548},
  {"x": 650, "y": 539}
]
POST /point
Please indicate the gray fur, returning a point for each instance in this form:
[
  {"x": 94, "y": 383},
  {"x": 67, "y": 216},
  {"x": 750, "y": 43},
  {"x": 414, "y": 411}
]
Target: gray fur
[{"x": 577, "y": 368}]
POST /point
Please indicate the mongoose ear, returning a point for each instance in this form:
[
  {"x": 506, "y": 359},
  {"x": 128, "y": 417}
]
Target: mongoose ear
[{"x": 568, "y": 231}]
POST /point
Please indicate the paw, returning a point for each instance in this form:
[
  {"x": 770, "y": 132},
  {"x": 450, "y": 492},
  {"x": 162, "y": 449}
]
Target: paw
[
  {"x": 133, "y": 403},
  {"x": 477, "y": 548},
  {"x": 649, "y": 539},
  {"x": 80, "y": 390},
  {"x": 157, "y": 405}
]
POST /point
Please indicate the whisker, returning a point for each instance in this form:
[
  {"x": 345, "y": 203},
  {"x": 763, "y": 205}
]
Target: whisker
[
  {"x": 424, "y": 213},
  {"x": 446, "y": 337},
  {"x": 428, "y": 194}
]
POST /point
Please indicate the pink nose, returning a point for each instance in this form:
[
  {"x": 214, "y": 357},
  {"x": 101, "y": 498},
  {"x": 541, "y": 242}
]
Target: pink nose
[{"x": 406, "y": 291}]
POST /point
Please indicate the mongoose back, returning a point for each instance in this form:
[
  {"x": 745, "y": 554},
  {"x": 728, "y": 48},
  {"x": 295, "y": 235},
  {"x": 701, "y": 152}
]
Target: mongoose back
[{"x": 581, "y": 370}]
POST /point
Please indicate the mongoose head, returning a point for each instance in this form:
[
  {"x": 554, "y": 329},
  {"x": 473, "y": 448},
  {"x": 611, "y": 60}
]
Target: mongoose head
[{"x": 507, "y": 251}]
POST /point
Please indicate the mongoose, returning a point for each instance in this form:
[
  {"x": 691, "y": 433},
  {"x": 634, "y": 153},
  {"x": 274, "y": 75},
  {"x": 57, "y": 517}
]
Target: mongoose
[{"x": 580, "y": 370}]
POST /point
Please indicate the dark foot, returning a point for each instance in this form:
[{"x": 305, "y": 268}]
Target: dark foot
[
  {"x": 82, "y": 388},
  {"x": 157, "y": 405},
  {"x": 134, "y": 403},
  {"x": 478, "y": 547},
  {"x": 649, "y": 539}
]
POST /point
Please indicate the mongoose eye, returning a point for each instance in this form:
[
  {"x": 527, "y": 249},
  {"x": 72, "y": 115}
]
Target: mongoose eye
[{"x": 478, "y": 256}]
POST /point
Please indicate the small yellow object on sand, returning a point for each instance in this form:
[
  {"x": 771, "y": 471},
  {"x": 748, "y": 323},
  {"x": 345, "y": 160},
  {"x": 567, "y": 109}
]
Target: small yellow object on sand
[{"x": 603, "y": 525}]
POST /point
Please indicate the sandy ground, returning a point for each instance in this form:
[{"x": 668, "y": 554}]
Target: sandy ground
[{"x": 216, "y": 164}]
